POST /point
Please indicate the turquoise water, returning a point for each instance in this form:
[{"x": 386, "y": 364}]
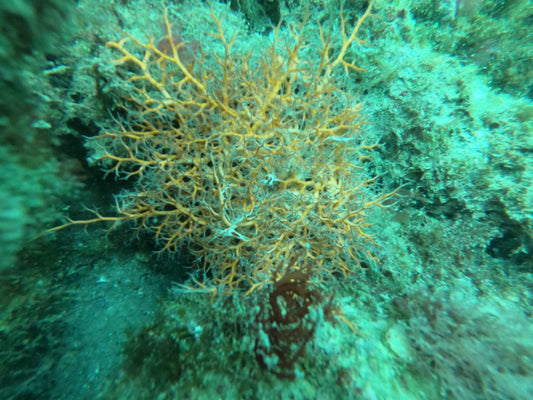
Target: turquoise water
[{"x": 414, "y": 222}]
